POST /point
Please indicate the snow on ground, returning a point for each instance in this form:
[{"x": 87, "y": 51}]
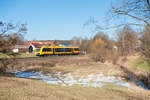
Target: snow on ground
[{"x": 92, "y": 80}]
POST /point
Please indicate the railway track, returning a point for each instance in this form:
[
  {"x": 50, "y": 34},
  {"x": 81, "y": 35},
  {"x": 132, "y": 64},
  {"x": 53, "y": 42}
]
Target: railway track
[{"x": 45, "y": 57}]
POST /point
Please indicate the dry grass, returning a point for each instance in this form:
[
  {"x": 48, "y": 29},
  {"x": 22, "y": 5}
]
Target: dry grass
[
  {"x": 12, "y": 88},
  {"x": 26, "y": 89},
  {"x": 80, "y": 64},
  {"x": 139, "y": 67},
  {"x": 129, "y": 63},
  {"x": 21, "y": 55}
]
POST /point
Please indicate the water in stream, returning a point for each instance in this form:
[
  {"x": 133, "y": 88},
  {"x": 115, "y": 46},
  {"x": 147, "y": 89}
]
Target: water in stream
[
  {"x": 132, "y": 78},
  {"x": 92, "y": 80}
]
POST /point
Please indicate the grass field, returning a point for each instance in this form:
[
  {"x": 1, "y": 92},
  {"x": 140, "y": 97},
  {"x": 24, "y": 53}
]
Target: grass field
[
  {"x": 26, "y": 55},
  {"x": 142, "y": 65},
  {"x": 3, "y": 55},
  {"x": 21, "y": 55},
  {"x": 12, "y": 88},
  {"x": 137, "y": 64},
  {"x": 26, "y": 89}
]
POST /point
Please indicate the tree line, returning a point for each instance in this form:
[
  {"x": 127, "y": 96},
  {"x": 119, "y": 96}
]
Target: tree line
[{"x": 128, "y": 42}]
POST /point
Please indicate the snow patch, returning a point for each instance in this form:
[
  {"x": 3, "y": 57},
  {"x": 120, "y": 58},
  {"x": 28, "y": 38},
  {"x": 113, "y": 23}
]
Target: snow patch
[{"x": 92, "y": 80}]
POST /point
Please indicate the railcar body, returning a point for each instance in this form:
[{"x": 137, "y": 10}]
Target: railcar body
[{"x": 56, "y": 50}]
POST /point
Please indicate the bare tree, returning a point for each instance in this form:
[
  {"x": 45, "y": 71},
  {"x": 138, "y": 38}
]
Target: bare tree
[
  {"x": 127, "y": 40},
  {"x": 102, "y": 36},
  {"x": 85, "y": 45},
  {"x": 76, "y": 41},
  {"x": 137, "y": 12},
  {"x": 145, "y": 47},
  {"x": 102, "y": 48},
  {"x": 135, "y": 9},
  {"x": 10, "y": 35}
]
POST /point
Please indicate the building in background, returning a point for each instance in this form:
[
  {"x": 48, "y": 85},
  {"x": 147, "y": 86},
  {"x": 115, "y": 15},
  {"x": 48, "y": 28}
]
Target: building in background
[
  {"x": 34, "y": 44},
  {"x": 30, "y": 46}
]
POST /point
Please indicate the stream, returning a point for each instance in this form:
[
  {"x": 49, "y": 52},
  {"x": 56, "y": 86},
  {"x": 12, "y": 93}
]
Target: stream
[
  {"x": 91, "y": 80},
  {"x": 131, "y": 76}
]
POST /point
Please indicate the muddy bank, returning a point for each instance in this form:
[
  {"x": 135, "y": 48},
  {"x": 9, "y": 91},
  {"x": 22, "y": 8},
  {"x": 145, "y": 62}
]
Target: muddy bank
[{"x": 139, "y": 80}]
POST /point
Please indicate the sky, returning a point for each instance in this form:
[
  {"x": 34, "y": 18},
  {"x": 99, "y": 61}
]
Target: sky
[{"x": 54, "y": 19}]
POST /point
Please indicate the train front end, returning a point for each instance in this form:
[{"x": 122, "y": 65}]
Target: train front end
[{"x": 37, "y": 51}]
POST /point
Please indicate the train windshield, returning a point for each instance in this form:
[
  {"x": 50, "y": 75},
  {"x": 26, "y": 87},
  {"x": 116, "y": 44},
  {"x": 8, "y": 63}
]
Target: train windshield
[
  {"x": 38, "y": 48},
  {"x": 76, "y": 49}
]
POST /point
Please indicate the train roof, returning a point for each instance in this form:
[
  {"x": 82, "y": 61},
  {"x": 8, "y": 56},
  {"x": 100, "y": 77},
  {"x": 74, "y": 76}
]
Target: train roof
[{"x": 60, "y": 46}]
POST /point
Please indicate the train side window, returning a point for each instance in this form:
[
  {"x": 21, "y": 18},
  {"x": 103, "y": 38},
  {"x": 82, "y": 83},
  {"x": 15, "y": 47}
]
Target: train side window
[
  {"x": 68, "y": 49},
  {"x": 43, "y": 49},
  {"x": 76, "y": 49},
  {"x": 59, "y": 49},
  {"x": 46, "y": 49}
]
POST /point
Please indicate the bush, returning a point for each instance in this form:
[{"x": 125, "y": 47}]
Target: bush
[{"x": 102, "y": 49}]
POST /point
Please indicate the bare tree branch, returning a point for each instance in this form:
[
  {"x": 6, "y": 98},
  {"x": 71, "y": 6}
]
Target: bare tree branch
[
  {"x": 136, "y": 9},
  {"x": 148, "y": 3},
  {"x": 116, "y": 26},
  {"x": 135, "y": 17}
]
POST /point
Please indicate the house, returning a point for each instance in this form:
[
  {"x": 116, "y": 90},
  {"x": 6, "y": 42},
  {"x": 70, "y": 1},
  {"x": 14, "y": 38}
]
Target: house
[
  {"x": 34, "y": 44},
  {"x": 20, "y": 48},
  {"x": 30, "y": 46}
]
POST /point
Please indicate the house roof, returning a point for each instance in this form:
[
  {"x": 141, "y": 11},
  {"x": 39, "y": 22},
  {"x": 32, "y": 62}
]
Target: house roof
[
  {"x": 21, "y": 46},
  {"x": 38, "y": 42}
]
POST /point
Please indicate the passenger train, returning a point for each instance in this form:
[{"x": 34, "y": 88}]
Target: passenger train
[{"x": 56, "y": 50}]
